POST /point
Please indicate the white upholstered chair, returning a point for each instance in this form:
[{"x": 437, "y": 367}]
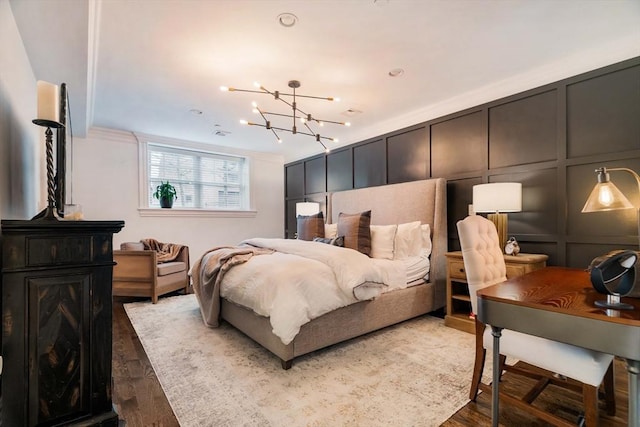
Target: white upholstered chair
[{"x": 573, "y": 367}]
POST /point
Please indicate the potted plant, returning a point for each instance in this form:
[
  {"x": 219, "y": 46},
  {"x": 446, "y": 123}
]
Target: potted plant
[{"x": 165, "y": 193}]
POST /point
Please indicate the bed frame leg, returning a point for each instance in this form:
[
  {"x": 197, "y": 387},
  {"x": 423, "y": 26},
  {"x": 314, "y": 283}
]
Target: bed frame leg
[{"x": 286, "y": 364}]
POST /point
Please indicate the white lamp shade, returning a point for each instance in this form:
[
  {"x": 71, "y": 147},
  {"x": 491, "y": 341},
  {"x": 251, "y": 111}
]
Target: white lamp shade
[
  {"x": 497, "y": 197},
  {"x": 307, "y": 208}
]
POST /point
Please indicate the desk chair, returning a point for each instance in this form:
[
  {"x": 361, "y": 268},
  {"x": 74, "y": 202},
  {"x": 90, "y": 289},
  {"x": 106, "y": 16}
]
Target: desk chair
[
  {"x": 138, "y": 273},
  {"x": 571, "y": 367}
]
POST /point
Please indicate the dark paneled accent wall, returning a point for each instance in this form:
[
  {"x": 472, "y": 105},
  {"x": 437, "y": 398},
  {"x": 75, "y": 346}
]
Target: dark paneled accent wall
[{"x": 551, "y": 139}]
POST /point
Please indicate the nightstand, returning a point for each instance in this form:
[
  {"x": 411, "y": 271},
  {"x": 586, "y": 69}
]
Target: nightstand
[{"x": 458, "y": 301}]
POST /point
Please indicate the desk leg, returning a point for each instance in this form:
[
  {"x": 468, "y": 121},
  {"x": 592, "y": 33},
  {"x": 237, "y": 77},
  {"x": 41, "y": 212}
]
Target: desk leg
[
  {"x": 495, "y": 392},
  {"x": 633, "y": 368}
]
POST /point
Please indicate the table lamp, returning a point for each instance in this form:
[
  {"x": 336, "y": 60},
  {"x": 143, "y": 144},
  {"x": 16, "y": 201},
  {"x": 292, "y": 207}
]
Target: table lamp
[
  {"x": 605, "y": 196},
  {"x": 307, "y": 208},
  {"x": 497, "y": 198}
]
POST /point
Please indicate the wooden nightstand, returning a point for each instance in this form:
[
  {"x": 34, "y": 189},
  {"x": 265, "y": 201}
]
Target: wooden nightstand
[{"x": 458, "y": 302}]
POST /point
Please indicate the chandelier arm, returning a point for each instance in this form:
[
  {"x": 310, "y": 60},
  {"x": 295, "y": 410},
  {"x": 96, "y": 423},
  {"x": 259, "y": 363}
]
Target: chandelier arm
[
  {"x": 330, "y": 121},
  {"x": 280, "y": 114},
  {"x": 232, "y": 89},
  {"x": 310, "y": 130},
  {"x": 261, "y": 114},
  {"x": 325, "y": 98}
]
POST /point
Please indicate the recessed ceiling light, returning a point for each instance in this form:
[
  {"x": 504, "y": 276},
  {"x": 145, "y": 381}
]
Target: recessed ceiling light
[
  {"x": 287, "y": 20},
  {"x": 195, "y": 112},
  {"x": 396, "y": 72}
]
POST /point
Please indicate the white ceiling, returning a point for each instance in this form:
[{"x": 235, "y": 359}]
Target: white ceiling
[{"x": 142, "y": 65}]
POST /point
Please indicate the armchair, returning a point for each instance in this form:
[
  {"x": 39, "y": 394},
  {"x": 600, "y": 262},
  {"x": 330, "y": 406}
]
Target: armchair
[
  {"x": 138, "y": 271},
  {"x": 564, "y": 365}
]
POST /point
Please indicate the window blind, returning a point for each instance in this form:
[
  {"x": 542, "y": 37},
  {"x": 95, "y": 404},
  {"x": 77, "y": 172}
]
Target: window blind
[{"x": 202, "y": 180}]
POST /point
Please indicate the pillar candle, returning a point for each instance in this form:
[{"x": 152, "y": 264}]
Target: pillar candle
[{"x": 48, "y": 101}]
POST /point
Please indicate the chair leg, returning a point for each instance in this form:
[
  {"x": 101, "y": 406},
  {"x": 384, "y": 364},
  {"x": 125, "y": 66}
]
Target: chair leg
[
  {"x": 590, "y": 401},
  {"x": 609, "y": 391},
  {"x": 502, "y": 362},
  {"x": 478, "y": 365}
]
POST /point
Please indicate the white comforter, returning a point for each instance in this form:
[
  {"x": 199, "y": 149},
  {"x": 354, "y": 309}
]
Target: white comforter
[{"x": 303, "y": 280}]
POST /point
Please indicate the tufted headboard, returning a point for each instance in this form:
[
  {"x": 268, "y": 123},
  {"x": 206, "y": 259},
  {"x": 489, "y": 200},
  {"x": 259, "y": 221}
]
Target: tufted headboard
[{"x": 424, "y": 200}]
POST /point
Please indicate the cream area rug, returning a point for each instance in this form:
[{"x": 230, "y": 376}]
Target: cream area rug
[{"x": 416, "y": 373}]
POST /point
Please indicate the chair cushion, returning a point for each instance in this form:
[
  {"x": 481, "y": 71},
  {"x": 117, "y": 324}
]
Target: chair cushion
[
  {"x": 581, "y": 364},
  {"x": 171, "y": 267},
  {"x": 132, "y": 246}
]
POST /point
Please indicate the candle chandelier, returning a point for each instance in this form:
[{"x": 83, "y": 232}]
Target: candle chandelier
[{"x": 297, "y": 114}]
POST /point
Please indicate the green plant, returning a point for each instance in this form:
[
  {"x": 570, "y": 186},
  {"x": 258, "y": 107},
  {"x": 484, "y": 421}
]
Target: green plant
[{"x": 165, "y": 191}]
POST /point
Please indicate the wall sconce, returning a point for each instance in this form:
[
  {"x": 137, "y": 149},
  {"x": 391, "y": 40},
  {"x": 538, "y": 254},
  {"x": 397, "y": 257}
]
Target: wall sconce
[
  {"x": 605, "y": 196},
  {"x": 307, "y": 208},
  {"x": 496, "y": 199}
]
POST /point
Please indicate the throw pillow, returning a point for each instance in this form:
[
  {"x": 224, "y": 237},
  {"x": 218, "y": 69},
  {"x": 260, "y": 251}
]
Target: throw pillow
[
  {"x": 331, "y": 230},
  {"x": 426, "y": 239},
  {"x": 356, "y": 231},
  {"x": 408, "y": 240},
  {"x": 310, "y": 226},
  {"x": 382, "y": 241}
]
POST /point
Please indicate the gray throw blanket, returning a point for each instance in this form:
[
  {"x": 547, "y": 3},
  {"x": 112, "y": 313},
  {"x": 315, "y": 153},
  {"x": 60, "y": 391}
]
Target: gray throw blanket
[{"x": 207, "y": 274}]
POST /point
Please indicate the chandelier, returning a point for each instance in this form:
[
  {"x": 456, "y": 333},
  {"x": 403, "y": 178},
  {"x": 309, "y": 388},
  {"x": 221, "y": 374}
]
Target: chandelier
[{"x": 305, "y": 118}]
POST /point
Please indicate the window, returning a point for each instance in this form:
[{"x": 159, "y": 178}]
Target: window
[{"x": 203, "y": 180}]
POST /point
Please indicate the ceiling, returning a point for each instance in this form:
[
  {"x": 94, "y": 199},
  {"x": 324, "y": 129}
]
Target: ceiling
[{"x": 146, "y": 65}]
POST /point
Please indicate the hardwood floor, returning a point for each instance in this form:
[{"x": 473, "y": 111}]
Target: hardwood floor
[
  {"x": 140, "y": 401},
  {"x": 137, "y": 394}
]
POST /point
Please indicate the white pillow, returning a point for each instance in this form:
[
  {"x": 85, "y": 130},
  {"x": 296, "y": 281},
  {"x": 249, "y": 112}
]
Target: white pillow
[
  {"x": 331, "y": 231},
  {"x": 426, "y": 239},
  {"x": 408, "y": 241},
  {"x": 382, "y": 241}
]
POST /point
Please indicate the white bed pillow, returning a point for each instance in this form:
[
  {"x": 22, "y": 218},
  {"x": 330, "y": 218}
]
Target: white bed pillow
[
  {"x": 408, "y": 241},
  {"x": 426, "y": 239},
  {"x": 382, "y": 241},
  {"x": 331, "y": 230}
]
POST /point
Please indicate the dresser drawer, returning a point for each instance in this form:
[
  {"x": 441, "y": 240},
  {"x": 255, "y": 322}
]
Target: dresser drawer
[{"x": 457, "y": 270}]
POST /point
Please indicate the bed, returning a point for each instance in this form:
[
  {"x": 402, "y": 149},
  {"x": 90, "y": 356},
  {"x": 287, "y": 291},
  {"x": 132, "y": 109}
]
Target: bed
[{"x": 423, "y": 201}]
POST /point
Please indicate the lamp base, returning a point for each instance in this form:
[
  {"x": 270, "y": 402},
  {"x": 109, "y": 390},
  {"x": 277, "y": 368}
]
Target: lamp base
[
  {"x": 613, "y": 301},
  {"x": 500, "y": 221}
]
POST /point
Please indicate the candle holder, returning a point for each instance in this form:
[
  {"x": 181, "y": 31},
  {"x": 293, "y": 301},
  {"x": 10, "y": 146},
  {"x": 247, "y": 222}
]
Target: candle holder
[{"x": 49, "y": 213}]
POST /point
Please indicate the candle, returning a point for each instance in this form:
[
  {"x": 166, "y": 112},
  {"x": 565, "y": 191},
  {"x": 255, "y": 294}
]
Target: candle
[{"x": 48, "y": 101}]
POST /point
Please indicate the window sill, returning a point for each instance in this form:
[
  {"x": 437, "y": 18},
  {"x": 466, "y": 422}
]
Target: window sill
[{"x": 204, "y": 213}]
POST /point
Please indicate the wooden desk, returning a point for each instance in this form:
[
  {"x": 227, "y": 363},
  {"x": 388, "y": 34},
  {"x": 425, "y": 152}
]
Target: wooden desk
[{"x": 558, "y": 303}]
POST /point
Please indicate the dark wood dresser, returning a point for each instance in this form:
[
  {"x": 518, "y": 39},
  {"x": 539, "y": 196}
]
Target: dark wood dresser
[{"x": 56, "y": 323}]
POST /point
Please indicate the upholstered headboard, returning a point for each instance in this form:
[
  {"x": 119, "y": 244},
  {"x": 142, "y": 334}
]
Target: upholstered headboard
[{"x": 424, "y": 200}]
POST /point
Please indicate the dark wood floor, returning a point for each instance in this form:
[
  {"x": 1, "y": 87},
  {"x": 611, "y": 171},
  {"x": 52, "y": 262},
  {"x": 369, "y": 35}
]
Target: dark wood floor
[{"x": 140, "y": 401}]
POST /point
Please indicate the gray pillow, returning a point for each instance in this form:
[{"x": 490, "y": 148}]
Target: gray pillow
[{"x": 311, "y": 226}]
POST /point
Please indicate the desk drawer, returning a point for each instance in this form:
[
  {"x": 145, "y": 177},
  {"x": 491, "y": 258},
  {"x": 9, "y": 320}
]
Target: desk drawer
[{"x": 456, "y": 270}]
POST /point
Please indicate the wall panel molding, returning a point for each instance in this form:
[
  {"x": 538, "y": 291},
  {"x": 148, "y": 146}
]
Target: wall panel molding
[{"x": 550, "y": 138}]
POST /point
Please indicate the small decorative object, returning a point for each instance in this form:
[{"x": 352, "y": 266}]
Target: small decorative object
[
  {"x": 614, "y": 275},
  {"x": 512, "y": 247},
  {"x": 165, "y": 193}
]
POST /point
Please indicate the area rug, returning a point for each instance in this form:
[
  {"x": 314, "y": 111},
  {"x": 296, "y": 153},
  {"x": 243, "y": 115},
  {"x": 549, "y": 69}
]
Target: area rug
[{"x": 416, "y": 373}]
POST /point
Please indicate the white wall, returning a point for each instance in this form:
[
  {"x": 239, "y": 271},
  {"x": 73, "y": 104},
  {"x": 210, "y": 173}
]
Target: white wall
[
  {"x": 20, "y": 139},
  {"x": 105, "y": 183}
]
